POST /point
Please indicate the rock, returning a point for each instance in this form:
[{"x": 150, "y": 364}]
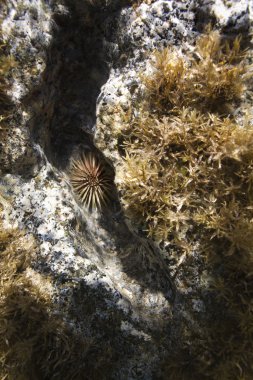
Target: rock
[{"x": 78, "y": 68}]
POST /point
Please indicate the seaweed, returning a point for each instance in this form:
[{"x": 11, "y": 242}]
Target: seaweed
[
  {"x": 212, "y": 78},
  {"x": 186, "y": 177},
  {"x": 36, "y": 340}
]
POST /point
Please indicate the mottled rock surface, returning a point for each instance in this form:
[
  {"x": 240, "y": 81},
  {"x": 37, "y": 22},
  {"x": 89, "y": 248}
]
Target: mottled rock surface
[{"x": 78, "y": 62}]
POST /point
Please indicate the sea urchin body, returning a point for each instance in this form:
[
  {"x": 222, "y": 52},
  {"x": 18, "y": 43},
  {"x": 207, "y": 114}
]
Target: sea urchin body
[{"x": 90, "y": 181}]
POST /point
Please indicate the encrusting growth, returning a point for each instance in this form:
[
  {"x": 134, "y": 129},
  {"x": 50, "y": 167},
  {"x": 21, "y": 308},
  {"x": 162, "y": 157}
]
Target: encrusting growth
[{"x": 90, "y": 181}]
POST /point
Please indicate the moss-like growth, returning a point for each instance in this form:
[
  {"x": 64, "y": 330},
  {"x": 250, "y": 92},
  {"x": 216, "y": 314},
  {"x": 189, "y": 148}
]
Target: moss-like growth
[
  {"x": 36, "y": 343},
  {"x": 186, "y": 177},
  {"x": 211, "y": 77},
  {"x": 225, "y": 350},
  {"x": 188, "y": 171}
]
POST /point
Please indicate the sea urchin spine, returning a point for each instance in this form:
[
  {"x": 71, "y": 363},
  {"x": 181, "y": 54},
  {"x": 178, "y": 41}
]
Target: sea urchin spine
[{"x": 90, "y": 181}]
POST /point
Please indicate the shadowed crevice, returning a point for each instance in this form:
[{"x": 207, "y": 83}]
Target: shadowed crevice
[{"x": 77, "y": 67}]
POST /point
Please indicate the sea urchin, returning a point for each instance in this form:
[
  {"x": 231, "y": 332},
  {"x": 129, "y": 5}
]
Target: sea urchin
[{"x": 90, "y": 180}]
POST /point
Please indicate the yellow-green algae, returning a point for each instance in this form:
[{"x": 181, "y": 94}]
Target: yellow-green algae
[{"x": 186, "y": 175}]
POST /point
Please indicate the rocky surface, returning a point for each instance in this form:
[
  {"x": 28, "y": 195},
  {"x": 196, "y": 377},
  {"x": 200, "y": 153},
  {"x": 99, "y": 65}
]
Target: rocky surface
[{"x": 78, "y": 65}]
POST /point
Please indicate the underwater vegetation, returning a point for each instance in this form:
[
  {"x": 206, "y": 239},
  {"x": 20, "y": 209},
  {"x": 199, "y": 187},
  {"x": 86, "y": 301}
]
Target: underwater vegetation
[
  {"x": 210, "y": 79},
  {"x": 185, "y": 167},
  {"x": 90, "y": 181},
  {"x": 196, "y": 171},
  {"x": 36, "y": 342},
  {"x": 186, "y": 176},
  {"x": 224, "y": 350}
]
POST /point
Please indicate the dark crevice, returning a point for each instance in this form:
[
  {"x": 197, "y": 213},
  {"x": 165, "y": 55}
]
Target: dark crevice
[{"x": 77, "y": 66}]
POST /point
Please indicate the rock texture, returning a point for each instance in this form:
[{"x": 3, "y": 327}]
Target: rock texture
[{"x": 78, "y": 64}]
